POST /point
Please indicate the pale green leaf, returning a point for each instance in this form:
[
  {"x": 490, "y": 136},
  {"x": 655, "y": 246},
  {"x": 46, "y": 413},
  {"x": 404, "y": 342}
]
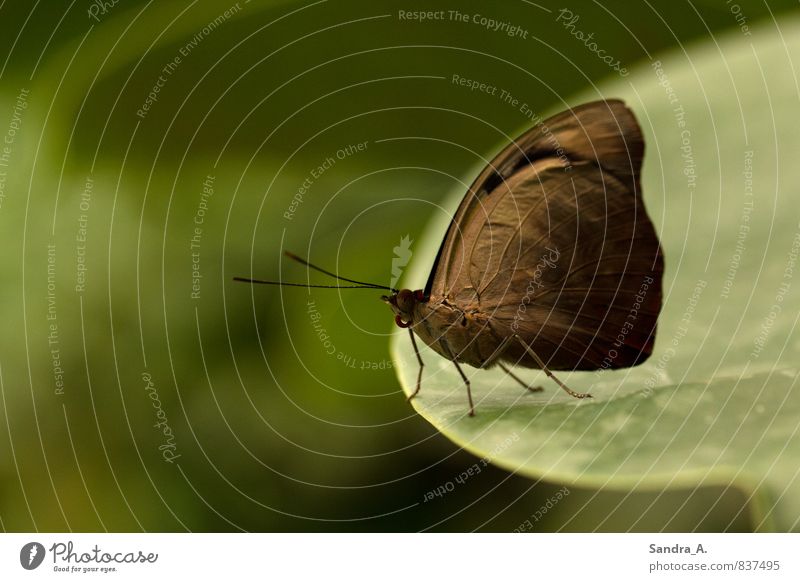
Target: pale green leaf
[{"x": 717, "y": 403}]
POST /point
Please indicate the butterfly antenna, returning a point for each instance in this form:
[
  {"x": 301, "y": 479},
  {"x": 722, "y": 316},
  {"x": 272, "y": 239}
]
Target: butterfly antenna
[
  {"x": 358, "y": 284},
  {"x": 283, "y": 284},
  {"x": 334, "y": 275}
]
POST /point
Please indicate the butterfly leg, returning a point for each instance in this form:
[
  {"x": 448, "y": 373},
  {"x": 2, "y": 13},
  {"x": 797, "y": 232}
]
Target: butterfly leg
[
  {"x": 469, "y": 390},
  {"x": 496, "y": 356},
  {"x": 544, "y": 368},
  {"x": 421, "y": 364},
  {"x": 518, "y": 379}
]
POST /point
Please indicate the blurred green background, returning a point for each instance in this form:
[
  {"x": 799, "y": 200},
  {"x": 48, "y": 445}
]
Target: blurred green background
[{"x": 273, "y": 428}]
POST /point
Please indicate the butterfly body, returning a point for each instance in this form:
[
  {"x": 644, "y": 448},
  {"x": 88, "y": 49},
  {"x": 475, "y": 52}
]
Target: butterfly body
[{"x": 467, "y": 337}]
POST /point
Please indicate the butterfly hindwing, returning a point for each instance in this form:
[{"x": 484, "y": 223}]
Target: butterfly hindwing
[{"x": 552, "y": 242}]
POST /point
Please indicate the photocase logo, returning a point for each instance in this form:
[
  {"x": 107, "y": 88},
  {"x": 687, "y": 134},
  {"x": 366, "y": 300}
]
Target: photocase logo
[
  {"x": 31, "y": 555},
  {"x": 402, "y": 254}
]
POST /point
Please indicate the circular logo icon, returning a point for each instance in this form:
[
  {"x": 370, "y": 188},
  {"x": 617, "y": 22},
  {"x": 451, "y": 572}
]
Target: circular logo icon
[{"x": 31, "y": 555}]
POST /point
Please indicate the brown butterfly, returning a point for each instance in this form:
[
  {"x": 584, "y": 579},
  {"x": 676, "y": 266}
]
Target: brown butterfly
[{"x": 550, "y": 261}]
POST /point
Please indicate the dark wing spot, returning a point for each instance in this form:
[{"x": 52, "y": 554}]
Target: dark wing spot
[{"x": 492, "y": 182}]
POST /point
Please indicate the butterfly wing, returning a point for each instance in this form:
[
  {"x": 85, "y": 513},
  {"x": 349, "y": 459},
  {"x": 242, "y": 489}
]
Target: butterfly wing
[{"x": 552, "y": 242}]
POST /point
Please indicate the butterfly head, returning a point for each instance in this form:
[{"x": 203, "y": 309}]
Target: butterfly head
[{"x": 403, "y": 304}]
